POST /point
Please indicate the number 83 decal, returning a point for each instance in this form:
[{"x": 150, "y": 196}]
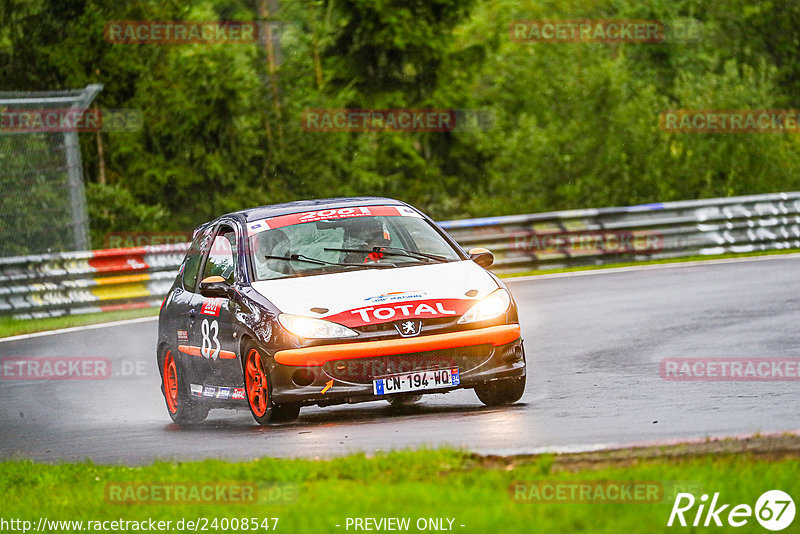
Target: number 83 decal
[{"x": 210, "y": 345}]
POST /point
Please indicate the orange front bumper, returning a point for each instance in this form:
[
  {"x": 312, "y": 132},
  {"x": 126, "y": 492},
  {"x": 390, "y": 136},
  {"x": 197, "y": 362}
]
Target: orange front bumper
[{"x": 315, "y": 356}]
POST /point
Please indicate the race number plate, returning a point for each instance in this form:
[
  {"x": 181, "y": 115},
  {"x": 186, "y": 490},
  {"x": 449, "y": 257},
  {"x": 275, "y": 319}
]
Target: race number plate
[{"x": 436, "y": 379}]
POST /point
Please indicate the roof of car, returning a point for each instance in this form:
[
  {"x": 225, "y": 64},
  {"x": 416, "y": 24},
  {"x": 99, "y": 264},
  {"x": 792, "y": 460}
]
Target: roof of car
[{"x": 273, "y": 210}]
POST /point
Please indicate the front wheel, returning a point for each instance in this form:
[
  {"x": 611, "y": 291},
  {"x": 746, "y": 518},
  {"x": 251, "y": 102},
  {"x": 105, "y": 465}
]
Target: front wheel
[
  {"x": 256, "y": 383},
  {"x": 285, "y": 413},
  {"x": 181, "y": 407},
  {"x": 259, "y": 391},
  {"x": 499, "y": 392}
]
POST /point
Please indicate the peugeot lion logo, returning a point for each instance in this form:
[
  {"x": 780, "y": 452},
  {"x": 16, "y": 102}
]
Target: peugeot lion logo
[{"x": 408, "y": 328}]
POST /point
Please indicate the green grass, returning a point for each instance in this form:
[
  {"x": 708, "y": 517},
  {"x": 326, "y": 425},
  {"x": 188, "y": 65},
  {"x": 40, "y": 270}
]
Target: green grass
[
  {"x": 652, "y": 262},
  {"x": 432, "y": 483},
  {"x": 12, "y": 327}
]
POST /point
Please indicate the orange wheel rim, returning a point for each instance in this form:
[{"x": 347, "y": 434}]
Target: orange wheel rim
[
  {"x": 170, "y": 382},
  {"x": 256, "y": 382}
]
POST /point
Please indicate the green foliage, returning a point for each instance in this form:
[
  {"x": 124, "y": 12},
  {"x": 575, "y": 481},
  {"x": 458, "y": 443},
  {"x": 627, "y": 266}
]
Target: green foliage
[{"x": 574, "y": 124}]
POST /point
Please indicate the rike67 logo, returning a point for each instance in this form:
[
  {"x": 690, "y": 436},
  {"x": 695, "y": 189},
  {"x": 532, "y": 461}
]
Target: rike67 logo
[{"x": 774, "y": 510}]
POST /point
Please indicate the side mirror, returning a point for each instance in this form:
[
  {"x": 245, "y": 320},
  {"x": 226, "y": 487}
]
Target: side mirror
[
  {"x": 481, "y": 256},
  {"x": 215, "y": 286}
]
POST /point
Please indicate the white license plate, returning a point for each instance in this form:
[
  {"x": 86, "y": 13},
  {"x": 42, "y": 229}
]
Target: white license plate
[{"x": 439, "y": 378}]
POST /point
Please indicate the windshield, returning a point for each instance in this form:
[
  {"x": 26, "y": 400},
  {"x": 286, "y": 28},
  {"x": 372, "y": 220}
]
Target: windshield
[{"x": 360, "y": 238}]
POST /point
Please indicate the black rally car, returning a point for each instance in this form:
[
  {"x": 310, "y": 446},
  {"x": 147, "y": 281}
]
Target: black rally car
[{"x": 333, "y": 301}]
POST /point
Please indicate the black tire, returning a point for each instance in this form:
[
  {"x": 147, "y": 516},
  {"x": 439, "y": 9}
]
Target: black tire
[
  {"x": 285, "y": 413},
  {"x": 182, "y": 408},
  {"x": 500, "y": 392},
  {"x": 403, "y": 400}
]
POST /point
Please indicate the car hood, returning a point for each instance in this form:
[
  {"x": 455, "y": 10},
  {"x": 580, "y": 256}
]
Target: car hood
[{"x": 373, "y": 296}]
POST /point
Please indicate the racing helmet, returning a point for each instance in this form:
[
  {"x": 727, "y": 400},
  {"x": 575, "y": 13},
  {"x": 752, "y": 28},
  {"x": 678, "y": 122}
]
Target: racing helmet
[{"x": 369, "y": 230}]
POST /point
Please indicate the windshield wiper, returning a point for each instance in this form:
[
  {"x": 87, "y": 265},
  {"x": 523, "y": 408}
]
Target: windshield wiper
[
  {"x": 317, "y": 261},
  {"x": 394, "y": 251},
  {"x": 434, "y": 257}
]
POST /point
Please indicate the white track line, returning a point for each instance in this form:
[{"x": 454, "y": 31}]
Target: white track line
[
  {"x": 79, "y": 328},
  {"x": 652, "y": 267}
]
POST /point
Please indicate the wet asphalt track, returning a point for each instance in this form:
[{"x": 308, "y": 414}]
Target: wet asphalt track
[{"x": 594, "y": 344}]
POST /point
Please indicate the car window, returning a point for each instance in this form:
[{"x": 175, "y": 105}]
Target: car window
[
  {"x": 417, "y": 235},
  {"x": 191, "y": 264},
  {"x": 222, "y": 256},
  {"x": 344, "y": 241}
]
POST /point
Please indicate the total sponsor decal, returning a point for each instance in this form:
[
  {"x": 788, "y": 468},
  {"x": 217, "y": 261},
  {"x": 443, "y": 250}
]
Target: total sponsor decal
[
  {"x": 237, "y": 393},
  {"x": 211, "y": 307},
  {"x": 331, "y": 214},
  {"x": 197, "y": 389},
  {"x": 418, "y": 309}
]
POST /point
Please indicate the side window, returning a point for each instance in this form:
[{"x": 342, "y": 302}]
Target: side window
[
  {"x": 222, "y": 257},
  {"x": 191, "y": 265}
]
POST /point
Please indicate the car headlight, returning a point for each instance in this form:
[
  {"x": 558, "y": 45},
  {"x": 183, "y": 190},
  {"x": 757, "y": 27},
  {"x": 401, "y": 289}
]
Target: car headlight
[
  {"x": 311, "y": 328},
  {"x": 494, "y": 305}
]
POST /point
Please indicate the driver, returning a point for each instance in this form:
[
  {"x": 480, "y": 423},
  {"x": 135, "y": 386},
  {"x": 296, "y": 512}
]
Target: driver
[
  {"x": 371, "y": 232},
  {"x": 272, "y": 243}
]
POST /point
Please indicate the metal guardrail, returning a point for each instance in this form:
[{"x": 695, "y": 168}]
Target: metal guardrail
[
  {"x": 635, "y": 233},
  {"x": 113, "y": 279},
  {"x": 48, "y": 285}
]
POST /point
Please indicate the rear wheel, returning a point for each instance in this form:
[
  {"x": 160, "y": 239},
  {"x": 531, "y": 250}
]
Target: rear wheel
[
  {"x": 499, "y": 392},
  {"x": 181, "y": 407}
]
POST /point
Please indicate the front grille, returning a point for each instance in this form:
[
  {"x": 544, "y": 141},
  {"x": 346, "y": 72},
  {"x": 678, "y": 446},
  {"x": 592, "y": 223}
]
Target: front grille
[
  {"x": 388, "y": 328},
  {"x": 364, "y": 370}
]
